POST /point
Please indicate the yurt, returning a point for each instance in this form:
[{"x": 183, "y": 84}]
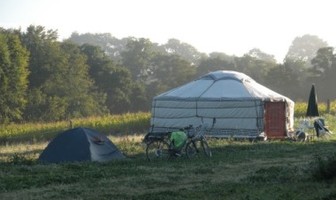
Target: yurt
[{"x": 242, "y": 107}]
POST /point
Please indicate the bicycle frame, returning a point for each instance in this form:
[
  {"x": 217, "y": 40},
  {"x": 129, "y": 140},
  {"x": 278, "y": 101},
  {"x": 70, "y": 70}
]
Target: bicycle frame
[{"x": 161, "y": 147}]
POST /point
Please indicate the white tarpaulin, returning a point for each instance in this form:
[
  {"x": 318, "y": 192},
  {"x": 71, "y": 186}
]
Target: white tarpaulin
[{"x": 233, "y": 98}]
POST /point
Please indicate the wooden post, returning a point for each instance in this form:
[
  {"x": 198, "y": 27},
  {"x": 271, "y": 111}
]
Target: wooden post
[
  {"x": 70, "y": 124},
  {"x": 328, "y": 106}
]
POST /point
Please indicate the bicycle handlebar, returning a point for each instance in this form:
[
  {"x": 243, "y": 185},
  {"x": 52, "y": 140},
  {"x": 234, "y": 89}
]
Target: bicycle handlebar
[{"x": 188, "y": 127}]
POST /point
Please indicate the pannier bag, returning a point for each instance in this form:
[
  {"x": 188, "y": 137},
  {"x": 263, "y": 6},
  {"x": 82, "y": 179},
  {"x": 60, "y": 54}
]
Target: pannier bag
[{"x": 178, "y": 139}]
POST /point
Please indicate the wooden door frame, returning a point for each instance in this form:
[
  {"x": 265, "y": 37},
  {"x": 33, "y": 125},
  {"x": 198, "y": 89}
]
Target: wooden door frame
[{"x": 275, "y": 125}]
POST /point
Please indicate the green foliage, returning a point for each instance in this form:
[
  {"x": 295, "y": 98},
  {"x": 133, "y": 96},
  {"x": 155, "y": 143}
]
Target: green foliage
[
  {"x": 44, "y": 108},
  {"x": 169, "y": 72},
  {"x": 111, "y": 45},
  {"x": 67, "y": 80},
  {"x": 13, "y": 77},
  {"x": 139, "y": 98},
  {"x": 129, "y": 123},
  {"x": 257, "y": 67},
  {"x": 304, "y": 48},
  {"x": 44, "y": 54},
  {"x": 324, "y": 71},
  {"x": 137, "y": 58},
  {"x": 283, "y": 75},
  {"x": 110, "y": 79},
  {"x": 184, "y": 50},
  {"x": 215, "y": 61},
  {"x": 74, "y": 85},
  {"x": 60, "y": 86}
]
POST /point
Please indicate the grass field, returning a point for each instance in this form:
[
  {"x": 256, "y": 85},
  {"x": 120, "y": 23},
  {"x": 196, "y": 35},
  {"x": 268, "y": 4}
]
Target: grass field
[{"x": 237, "y": 170}]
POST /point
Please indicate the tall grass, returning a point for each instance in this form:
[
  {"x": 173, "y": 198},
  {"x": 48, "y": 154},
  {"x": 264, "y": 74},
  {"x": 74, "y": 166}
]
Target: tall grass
[
  {"x": 129, "y": 123},
  {"x": 301, "y": 108}
]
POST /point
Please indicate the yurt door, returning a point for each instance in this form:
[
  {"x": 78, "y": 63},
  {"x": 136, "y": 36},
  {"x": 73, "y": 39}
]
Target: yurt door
[{"x": 275, "y": 119}]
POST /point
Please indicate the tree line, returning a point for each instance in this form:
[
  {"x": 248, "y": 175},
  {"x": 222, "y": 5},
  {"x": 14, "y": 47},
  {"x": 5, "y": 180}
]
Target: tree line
[{"x": 44, "y": 79}]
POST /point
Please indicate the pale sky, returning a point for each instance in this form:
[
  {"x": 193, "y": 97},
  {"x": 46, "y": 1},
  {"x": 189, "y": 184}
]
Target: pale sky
[{"x": 230, "y": 26}]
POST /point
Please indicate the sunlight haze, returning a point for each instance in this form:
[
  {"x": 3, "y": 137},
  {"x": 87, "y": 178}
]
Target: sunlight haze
[{"x": 233, "y": 27}]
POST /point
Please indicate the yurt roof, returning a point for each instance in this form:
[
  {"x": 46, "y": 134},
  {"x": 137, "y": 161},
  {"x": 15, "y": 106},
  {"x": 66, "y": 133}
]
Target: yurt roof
[{"x": 222, "y": 85}]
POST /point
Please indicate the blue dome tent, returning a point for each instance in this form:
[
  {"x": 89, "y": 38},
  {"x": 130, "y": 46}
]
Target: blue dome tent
[{"x": 80, "y": 144}]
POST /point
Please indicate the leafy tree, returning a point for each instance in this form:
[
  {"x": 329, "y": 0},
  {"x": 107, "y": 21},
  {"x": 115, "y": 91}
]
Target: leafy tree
[
  {"x": 304, "y": 48},
  {"x": 259, "y": 55},
  {"x": 113, "y": 80},
  {"x": 215, "y": 61},
  {"x": 111, "y": 45},
  {"x": 140, "y": 100},
  {"x": 323, "y": 62},
  {"x": 254, "y": 67},
  {"x": 44, "y": 53},
  {"x": 43, "y": 107},
  {"x": 170, "y": 71},
  {"x": 60, "y": 85},
  {"x": 282, "y": 79},
  {"x": 324, "y": 71},
  {"x": 137, "y": 58},
  {"x": 45, "y": 60},
  {"x": 186, "y": 51},
  {"x": 13, "y": 77},
  {"x": 72, "y": 83}
]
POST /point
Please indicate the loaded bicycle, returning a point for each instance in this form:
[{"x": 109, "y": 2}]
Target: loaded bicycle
[{"x": 189, "y": 141}]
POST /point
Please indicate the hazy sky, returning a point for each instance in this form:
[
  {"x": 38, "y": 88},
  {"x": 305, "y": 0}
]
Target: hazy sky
[{"x": 230, "y": 26}]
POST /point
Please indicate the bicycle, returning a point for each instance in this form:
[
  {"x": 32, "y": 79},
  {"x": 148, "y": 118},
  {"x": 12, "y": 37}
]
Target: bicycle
[{"x": 159, "y": 146}]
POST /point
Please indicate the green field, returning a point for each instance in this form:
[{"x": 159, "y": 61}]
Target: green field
[{"x": 237, "y": 170}]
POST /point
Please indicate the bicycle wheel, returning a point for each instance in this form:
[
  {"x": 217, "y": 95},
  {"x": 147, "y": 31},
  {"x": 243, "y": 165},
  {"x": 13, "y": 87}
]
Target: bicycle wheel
[
  {"x": 197, "y": 149},
  {"x": 206, "y": 148},
  {"x": 157, "y": 150}
]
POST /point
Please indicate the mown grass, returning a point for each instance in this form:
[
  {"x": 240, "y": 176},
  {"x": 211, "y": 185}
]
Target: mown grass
[{"x": 238, "y": 170}]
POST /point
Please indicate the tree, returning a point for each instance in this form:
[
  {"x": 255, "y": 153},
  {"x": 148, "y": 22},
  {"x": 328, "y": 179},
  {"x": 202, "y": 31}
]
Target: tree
[
  {"x": 186, "y": 51},
  {"x": 137, "y": 58},
  {"x": 45, "y": 59},
  {"x": 13, "y": 77},
  {"x": 215, "y": 61},
  {"x": 323, "y": 63},
  {"x": 259, "y": 55},
  {"x": 113, "y": 80},
  {"x": 254, "y": 67},
  {"x": 110, "y": 45},
  {"x": 282, "y": 79},
  {"x": 72, "y": 83},
  {"x": 170, "y": 71},
  {"x": 140, "y": 100},
  {"x": 323, "y": 72},
  {"x": 60, "y": 85},
  {"x": 44, "y": 53},
  {"x": 304, "y": 48}
]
